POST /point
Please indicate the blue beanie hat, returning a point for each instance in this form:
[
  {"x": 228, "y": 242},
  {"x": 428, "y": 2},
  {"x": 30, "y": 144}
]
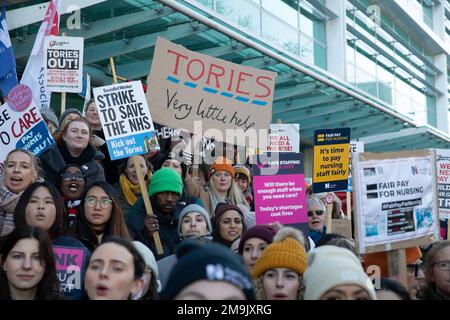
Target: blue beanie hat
[{"x": 165, "y": 179}]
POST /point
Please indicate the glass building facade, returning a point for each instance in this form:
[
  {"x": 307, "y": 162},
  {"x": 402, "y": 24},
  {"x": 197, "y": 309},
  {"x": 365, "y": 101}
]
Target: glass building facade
[{"x": 382, "y": 57}]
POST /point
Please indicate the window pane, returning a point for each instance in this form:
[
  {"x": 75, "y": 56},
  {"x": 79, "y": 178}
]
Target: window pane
[{"x": 241, "y": 12}]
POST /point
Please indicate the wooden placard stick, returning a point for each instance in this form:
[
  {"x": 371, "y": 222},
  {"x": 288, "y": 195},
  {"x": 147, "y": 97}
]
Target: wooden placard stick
[
  {"x": 63, "y": 94},
  {"x": 113, "y": 69},
  {"x": 329, "y": 218},
  {"x": 148, "y": 206},
  {"x": 349, "y": 205},
  {"x": 397, "y": 266},
  {"x": 448, "y": 230}
]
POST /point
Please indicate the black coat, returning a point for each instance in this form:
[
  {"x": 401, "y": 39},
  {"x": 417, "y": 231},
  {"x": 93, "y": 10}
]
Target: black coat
[
  {"x": 168, "y": 231},
  {"x": 53, "y": 160}
]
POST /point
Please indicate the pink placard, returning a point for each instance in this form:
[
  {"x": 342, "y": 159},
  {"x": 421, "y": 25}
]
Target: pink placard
[
  {"x": 280, "y": 198},
  {"x": 65, "y": 257},
  {"x": 19, "y": 97}
]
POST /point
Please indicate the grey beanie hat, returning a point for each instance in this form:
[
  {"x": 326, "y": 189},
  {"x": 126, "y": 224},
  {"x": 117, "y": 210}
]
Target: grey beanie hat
[
  {"x": 68, "y": 111},
  {"x": 50, "y": 116},
  {"x": 194, "y": 208}
]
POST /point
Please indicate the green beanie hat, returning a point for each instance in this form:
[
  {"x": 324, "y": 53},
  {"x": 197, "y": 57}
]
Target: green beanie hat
[{"x": 165, "y": 179}]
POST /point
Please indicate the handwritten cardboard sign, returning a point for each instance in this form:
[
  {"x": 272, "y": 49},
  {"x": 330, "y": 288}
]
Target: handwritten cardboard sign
[{"x": 186, "y": 87}]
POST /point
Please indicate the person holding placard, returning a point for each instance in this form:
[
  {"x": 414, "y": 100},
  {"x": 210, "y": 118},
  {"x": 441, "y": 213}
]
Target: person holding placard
[
  {"x": 278, "y": 273},
  {"x": 98, "y": 140},
  {"x": 72, "y": 147},
  {"x": 437, "y": 272},
  {"x": 128, "y": 187},
  {"x": 28, "y": 266},
  {"x": 20, "y": 170},
  {"x": 115, "y": 271},
  {"x": 165, "y": 190},
  {"x": 221, "y": 186},
  {"x": 100, "y": 215}
]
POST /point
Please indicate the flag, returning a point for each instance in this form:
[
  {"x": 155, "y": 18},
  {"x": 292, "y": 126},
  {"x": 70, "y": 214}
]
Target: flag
[
  {"x": 86, "y": 90},
  {"x": 8, "y": 75},
  {"x": 33, "y": 76}
]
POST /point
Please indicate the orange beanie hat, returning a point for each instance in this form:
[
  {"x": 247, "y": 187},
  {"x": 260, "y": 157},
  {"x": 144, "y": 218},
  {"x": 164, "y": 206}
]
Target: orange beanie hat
[
  {"x": 286, "y": 251},
  {"x": 380, "y": 259},
  {"x": 221, "y": 164}
]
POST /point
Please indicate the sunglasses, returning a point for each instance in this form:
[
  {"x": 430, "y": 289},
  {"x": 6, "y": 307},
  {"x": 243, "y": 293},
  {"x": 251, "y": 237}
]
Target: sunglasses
[
  {"x": 72, "y": 177},
  {"x": 317, "y": 212}
]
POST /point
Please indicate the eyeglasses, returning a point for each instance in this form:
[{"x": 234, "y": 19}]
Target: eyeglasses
[
  {"x": 92, "y": 202},
  {"x": 415, "y": 267},
  {"x": 443, "y": 265},
  {"x": 72, "y": 177},
  {"x": 318, "y": 213}
]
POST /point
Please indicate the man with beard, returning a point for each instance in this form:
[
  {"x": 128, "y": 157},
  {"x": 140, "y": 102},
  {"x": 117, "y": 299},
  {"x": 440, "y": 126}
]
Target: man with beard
[
  {"x": 72, "y": 183},
  {"x": 165, "y": 190}
]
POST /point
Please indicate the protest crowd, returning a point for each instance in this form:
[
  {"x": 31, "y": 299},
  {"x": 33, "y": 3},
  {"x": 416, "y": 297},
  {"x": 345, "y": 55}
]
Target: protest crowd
[{"x": 81, "y": 220}]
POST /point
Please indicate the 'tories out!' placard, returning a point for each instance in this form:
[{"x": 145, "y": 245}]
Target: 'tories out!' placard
[{"x": 331, "y": 157}]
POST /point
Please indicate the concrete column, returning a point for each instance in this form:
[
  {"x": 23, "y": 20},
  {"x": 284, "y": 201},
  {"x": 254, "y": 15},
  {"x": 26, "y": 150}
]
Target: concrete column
[
  {"x": 336, "y": 39},
  {"x": 440, "y": 62},
  {"x": 439, "y": 20}
]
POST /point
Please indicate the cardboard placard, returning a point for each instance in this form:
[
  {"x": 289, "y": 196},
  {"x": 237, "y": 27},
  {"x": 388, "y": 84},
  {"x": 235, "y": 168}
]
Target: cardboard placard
[
  {"x": 125, "y": 119},
  {"x": 443, "y": 179},
  {"x": 63, "y": 63},
  {"x": 331, "y": 158},
  {"x": 187, "y": 89},
  {"x": 281, "y": 197},
  {"x": 396, "y": 200},
  {"x": 284, "y": 138},
  {"x": 343, "y": 227},
  {"x": 355, "y": 147}
]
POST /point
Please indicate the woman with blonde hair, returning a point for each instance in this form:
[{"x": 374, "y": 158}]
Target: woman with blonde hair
[
  {"x": 20, "y": 170},
  {"x": 221, "y": 186},
  {"x": 278, "y": 273}
]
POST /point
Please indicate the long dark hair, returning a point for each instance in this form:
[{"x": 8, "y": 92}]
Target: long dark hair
[
  {"x": 59, "y": 227},
  {"x": 116, "y": 223},
  {"x": 48, "y": 288}
]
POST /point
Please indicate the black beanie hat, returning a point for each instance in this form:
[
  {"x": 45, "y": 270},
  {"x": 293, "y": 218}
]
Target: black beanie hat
[{"x": 211, "y": 261}]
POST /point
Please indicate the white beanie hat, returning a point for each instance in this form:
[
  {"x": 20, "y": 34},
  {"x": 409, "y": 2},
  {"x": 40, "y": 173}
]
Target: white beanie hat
[
  {"x": 149, "y": 259},
  {"x": 331, "y": 266}
]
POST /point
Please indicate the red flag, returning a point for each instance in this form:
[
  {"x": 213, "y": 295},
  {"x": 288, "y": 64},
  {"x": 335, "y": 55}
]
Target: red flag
[{"x": 33, "y": 75}]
